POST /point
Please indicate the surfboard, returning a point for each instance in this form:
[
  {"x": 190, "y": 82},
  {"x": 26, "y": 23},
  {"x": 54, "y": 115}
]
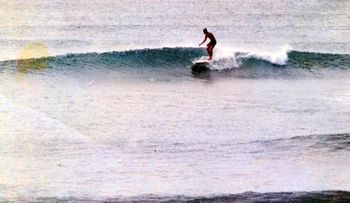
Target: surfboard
[
  {"x": 200, "y": 66},
  {"x": 201, "y": 61}
]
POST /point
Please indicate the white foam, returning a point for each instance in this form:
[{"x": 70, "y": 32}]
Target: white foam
[
  {"x": 279, "y": 57},
  {"x": 226, "y": 57}
]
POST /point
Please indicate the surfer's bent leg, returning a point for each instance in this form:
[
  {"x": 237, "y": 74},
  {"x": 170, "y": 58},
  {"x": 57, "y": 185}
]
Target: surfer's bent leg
[{"x": 210, "y": 50}]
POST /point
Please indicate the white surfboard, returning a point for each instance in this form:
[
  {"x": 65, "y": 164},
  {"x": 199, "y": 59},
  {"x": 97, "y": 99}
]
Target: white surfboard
[
  {"x": 201, "y": 60},
  {"x": 200, "y": 65}
]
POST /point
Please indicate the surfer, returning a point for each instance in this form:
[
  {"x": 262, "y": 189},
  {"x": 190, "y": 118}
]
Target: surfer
[{"x": 211, "y": 44}]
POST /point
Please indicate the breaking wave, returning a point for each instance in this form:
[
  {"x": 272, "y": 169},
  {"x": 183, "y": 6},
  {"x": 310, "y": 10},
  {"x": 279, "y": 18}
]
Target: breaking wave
[{"x": 180, "y": 59}]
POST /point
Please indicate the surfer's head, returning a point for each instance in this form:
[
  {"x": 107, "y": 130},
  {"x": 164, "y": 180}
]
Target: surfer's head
[{"x": 205, "y": 31}]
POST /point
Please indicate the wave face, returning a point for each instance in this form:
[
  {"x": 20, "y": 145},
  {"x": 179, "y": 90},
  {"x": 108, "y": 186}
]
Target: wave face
[{"x": 179, "y": 60}]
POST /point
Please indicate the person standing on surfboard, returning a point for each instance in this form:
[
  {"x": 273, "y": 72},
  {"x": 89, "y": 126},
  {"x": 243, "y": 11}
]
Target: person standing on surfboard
[{"x": 211, "y": 44}]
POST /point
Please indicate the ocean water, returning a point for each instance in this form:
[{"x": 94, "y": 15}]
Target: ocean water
[{"x": 98, "y": 101}]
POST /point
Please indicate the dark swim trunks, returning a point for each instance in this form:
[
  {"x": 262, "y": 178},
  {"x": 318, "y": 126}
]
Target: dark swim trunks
[
  {"x": 212, "y": 39},
  {"x": 212, "y": 43}
]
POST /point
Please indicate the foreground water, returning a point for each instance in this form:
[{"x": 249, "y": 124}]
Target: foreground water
[
  {"x": 98, "y": 132},
  {"x": 272, "y": 115}
]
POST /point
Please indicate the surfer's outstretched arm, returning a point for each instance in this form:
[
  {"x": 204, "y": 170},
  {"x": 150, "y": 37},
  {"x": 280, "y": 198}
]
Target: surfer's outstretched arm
[{"x": 205, "y": 39}]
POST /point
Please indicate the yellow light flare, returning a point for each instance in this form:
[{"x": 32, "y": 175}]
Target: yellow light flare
[{"x": 33, "y": 57}]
